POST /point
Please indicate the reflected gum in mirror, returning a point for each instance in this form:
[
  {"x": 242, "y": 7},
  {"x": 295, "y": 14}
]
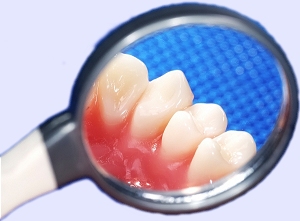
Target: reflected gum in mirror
[{"x": 149, "y": 135}]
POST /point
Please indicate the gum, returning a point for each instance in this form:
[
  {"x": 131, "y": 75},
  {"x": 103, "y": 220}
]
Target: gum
[
  {"x": 134, "y": 131},
  {"x": 131, "y": 160}
]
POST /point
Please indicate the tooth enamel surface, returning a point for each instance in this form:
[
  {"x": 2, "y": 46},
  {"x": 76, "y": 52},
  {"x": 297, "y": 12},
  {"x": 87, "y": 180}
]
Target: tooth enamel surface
[
  {"x": 210, "y": 117},
  {"x": 207, "y": 164},
  {"x": 181, "y": 137},
  {"x": 162, "y": 98},
  {"x": 119, "y": 86},
  {"x": 218, "y": 157},
  {"x": 188, "y": 128},
  {"x": 237, "y": 147},
  {"x": 159, "y": 116}
]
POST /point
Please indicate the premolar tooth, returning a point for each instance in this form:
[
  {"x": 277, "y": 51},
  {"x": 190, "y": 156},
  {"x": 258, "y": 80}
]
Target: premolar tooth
[
  {"x": 211, "y": 117},
  {"x": 181, "y": 137},
  {"x": 218, "y": 157},
  {"x": 207, "y": 164},
  {"x": 120, "y": 85},
  {"x": 162, "y": 98},
  {"x": 237, "y": 147},
  {"x": 188, "y": 128}
]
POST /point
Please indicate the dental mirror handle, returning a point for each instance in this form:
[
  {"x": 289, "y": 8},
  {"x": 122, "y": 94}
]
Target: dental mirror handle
[
  {"x": 26, "y": 172},
  {"x": 49, "y": 158}
]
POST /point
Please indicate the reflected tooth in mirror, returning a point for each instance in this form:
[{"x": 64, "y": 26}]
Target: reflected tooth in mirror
[
  {"x": 163, "y": 97},
  {"x": 181, "y": 137},
  {"x": 120, "y": 85},
  {"x": 211, "y": 117},
  {"x": 218, "y": 157},
  {"x": 207, "y": 164},
  {"x": 237, "y": 147},
  {"x": 188, "y": 128}
]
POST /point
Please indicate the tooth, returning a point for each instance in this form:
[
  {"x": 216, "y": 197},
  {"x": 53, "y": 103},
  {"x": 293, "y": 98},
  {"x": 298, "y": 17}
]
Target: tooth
[
  {"x": 181, "y": 137},
  {"x": 211, "y": 117},
  {"x": 93, "y": 94},
  {"x": 188, "y": 128},
  {"x": 162, "y": 98},
  {"x": 120, "y": 85},
  {"x": 207, "y": 164},
  {"x": 216, "y": 158},
  {"x": 237, "y": 147}
]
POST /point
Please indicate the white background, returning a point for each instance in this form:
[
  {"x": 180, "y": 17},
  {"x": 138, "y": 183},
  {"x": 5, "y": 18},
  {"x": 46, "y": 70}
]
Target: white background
[{"x": 43, "y": 46}]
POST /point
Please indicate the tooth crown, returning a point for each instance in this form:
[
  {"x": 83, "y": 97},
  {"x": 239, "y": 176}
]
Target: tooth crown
[
  {"x": 217, "y": 157},
  {"x": 207, "y": 164},
  {"x": 186, "y": 129},
  {"x": 162, "y": 98},
  {"x": 181, "y": 137},
  {"x": 237, "y": 147},
  {"x": 211, "y": 117},
  {"x": 120, "y": 85}
]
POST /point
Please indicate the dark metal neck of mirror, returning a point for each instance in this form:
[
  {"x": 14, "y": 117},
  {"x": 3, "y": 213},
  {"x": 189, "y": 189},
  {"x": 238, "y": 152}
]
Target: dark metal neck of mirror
[{"x": 188, "y": 104}]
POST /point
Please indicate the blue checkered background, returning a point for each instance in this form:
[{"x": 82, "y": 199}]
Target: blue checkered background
[{"x": 222, "y": 66}]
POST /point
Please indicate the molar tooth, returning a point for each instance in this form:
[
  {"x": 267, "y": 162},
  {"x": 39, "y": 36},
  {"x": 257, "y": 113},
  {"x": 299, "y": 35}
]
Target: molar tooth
[
  {"x": 188, "y": 128},
  {"x": 162, "y": 98},
  {"x": 120, "y": 85},
  {"x": 218, "y": 157}
]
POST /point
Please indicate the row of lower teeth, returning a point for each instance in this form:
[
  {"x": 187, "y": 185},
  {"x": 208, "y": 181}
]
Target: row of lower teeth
[{"x": 164, "y": 107}]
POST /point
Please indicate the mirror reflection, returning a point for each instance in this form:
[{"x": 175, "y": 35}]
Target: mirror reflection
[{"x": 183, "y": 107}]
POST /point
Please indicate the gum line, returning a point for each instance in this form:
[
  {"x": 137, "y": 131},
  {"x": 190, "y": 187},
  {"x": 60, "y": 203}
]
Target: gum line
[{"x": 136, "y": 162}]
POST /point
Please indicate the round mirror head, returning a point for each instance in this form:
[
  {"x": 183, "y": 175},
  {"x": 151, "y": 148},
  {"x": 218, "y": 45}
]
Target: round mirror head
[{"x": 191, "y": 106}]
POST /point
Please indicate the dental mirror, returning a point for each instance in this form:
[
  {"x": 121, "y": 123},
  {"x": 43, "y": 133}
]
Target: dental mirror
[{"x": 180, "y": 109}]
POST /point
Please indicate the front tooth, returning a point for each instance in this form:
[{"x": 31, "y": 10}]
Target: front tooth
[
  {"x": 162, "y": 98},
  {"x": 119, "y": 86},
  {"x": 218, "y": 157},
  {"x": 188, "y": 128}
]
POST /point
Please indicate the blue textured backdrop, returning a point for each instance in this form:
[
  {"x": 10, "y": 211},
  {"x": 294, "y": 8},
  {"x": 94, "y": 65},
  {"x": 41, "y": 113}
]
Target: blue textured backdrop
[{"x": 223, "y": 66}]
